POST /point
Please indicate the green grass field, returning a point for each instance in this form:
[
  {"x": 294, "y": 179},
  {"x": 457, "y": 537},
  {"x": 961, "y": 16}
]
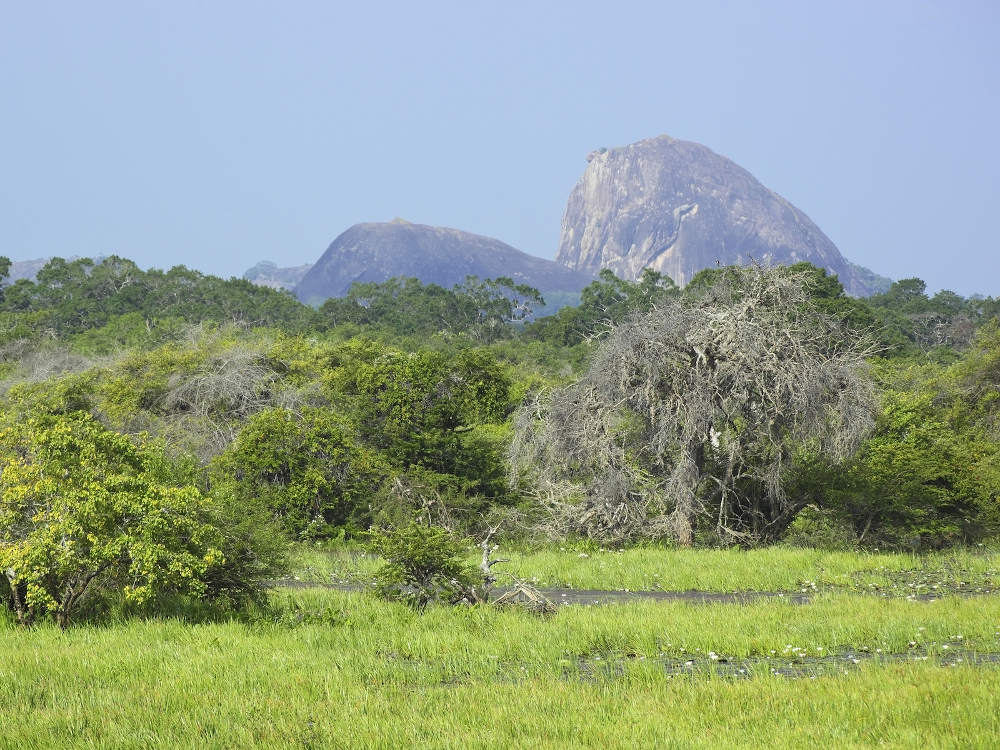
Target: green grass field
[
  {"x": 329, "y": 669},
  {"x": 723, "y": 570}
]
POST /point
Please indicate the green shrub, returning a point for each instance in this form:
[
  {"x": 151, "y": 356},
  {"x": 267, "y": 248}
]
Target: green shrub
[
  {"x": 820, "y": 529},
  {"x": 304, "y": 467},
  {"x": 423, "y": 564},
  {"x": 82, "y": 505}
]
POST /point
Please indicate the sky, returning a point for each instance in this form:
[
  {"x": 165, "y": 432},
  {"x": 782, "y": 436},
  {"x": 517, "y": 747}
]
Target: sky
[{"x": 219, "y": 134}]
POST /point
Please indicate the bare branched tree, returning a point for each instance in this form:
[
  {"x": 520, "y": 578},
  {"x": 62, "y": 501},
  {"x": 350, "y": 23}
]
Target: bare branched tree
[
  {"x": 407, "y": 496},
  {"x": 212, "y": 403},
  {"x": 695, "y": 413},
  {"x": 488, "y": 561},
  {"x": 38, "y": 365}
]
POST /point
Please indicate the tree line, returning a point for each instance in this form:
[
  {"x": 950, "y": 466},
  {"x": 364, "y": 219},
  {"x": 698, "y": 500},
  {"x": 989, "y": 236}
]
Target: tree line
[{"x": 168, "y": 434}]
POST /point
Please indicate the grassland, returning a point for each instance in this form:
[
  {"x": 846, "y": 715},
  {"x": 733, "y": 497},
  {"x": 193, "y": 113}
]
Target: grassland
[
  {"x": 325, "y": 668},
  {"x": 722, "y": 570}
]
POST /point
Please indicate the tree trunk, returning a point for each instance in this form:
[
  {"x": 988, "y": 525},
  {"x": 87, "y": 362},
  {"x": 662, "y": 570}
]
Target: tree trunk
[
  {"x": 683, "y": 529},
  {"x": 18, "y": 592},
  {"x": 684, "y": 514}
]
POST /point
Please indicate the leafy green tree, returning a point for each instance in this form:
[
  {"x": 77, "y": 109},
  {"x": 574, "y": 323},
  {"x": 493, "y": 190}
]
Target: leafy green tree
[
  {"x": 254, "y": 548},
  {"x": 72, "y": 297},
  {"x": 80, "y": 504},
  {"x": 4, "y": 273},
  {"x": 913, "y": 323},
  {"x": 435, "y": 419},
  {"x": 605, "y": 302},
  {"x": 930, "y": 473},
  {"x": 977, "y": 380},
  {"x": 305, "y": 468},
  {"x": 919, "y": 482},
  {"x": 492, "y": 305},
  {"x": 414, "y": 407},
  {"x": 484, "y": 311}
]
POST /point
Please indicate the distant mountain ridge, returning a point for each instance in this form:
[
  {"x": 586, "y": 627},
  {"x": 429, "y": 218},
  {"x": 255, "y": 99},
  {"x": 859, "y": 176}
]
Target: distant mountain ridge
[
  {"x": 28, "y": 269},
  {"x": 379, "y": 251},
  {"x": 267, "y": 273},
  {"x": 678, "y": 207}
]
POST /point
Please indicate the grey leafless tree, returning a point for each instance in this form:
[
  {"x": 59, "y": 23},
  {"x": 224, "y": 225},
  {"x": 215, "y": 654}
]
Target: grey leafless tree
[
  {"x": 207, "y": 407},
  {"x": 694, "y": 413}
]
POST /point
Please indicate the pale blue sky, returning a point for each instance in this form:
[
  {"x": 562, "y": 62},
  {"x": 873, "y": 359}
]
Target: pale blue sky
[{"x": 217, "y": 134}]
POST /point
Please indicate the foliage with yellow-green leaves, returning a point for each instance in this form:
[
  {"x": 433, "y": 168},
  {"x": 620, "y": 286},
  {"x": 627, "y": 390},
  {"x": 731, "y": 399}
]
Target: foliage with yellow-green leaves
[{"x": 80, "y": 503}]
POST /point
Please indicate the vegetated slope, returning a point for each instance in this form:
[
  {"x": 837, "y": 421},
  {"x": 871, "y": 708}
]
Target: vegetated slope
[
  {"x": 376, "y": 252},
  {"x": 678, "y": 207}
]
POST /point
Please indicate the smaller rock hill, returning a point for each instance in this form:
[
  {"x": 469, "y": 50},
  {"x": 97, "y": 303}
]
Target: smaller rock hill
[{"x": 382, "y": 250}]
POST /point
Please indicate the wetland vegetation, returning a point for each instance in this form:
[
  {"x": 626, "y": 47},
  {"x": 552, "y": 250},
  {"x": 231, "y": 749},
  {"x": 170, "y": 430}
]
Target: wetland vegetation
[
  {"x": 202, "y": 483},
  {"x": 318, "y": 667}
]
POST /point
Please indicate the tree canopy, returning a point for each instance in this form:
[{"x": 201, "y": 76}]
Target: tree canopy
[
  {"x": 83, "y": 295},
  {"x": 481, "y": 310},
  {"x": 168, "y": 433}
]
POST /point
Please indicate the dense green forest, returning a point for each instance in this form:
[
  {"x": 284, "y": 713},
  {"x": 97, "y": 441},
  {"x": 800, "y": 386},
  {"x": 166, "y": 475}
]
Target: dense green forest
[{"x": 169, "y": 432}]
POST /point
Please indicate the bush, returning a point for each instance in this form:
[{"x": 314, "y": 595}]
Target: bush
[
  {"x": 254, "y": 550},
  {"x": 820, "y": 529},
  {"x": 920, "y": 481},
  {"x": 82, "y": 505},
  {"x": 304, "y": 467},
  {"x": 422, "y": 565}
]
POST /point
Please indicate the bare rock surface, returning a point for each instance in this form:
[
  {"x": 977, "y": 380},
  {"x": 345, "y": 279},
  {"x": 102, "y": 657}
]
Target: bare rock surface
[
  {"x": 382, "y": 250},
  {"x": 678, "y": 207}
]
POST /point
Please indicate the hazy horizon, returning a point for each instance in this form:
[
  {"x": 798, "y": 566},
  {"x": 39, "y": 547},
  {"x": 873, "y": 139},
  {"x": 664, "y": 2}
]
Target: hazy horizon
[{"x": 218, "y": 136}]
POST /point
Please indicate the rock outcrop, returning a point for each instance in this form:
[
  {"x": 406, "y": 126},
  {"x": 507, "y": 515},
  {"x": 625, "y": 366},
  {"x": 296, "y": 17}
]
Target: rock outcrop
[
  {"x": 380, "y": 251},
  {"x": 267, "y": 273},
  {"x": 678, "y": 207}
]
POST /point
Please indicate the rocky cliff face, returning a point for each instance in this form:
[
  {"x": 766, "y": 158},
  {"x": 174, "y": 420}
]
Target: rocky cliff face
[
  {"x": 677, "y": 207},
  {"x": 379, "y": 251}
]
